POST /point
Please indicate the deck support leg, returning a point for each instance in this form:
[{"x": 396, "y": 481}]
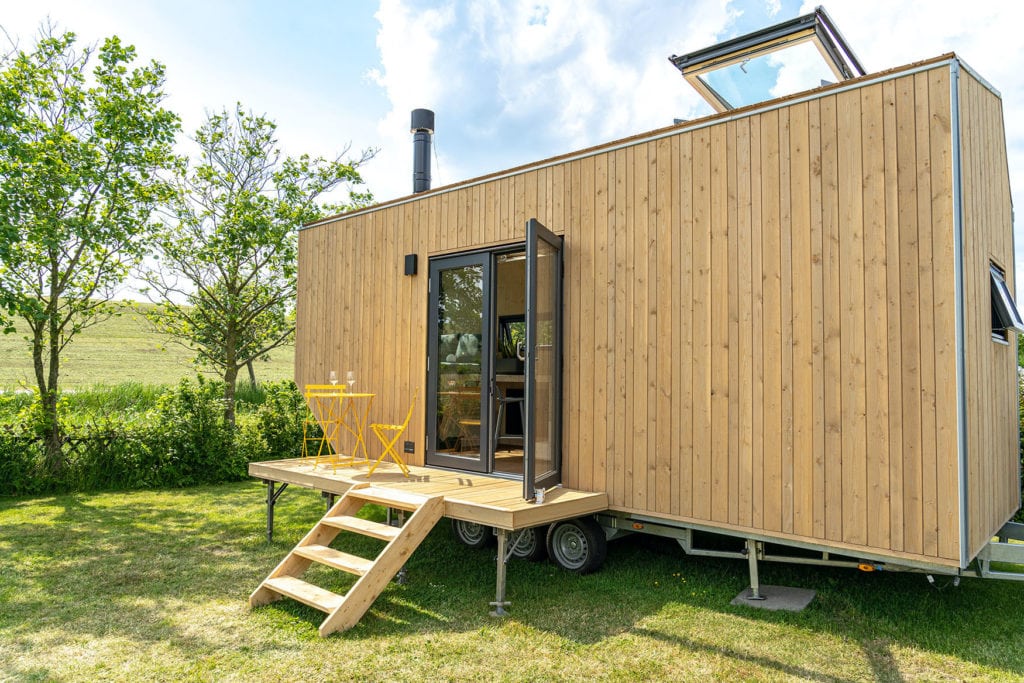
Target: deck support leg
[
  {"x": 402, "y": 577},
  {"x": 329, "y": 497},
  {"x": 755, "y": 583},
  {"x": 500, "y": 603},
  {"x": 272, "y": 497}
]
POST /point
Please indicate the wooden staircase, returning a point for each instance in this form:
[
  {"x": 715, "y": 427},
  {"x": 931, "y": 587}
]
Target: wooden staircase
[{"x": 345, "y": 611}]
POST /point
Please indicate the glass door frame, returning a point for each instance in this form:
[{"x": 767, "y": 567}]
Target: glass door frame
[
  {"x": 486, "y": 259},
  {"x": 532, "y": 479},
  {"x": 483, "y": 462}
]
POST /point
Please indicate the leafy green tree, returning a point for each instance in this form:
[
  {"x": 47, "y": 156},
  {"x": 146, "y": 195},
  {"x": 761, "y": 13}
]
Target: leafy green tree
[
  {"x": 227, "y": 262},
  {"x": 81, "y": 158}
]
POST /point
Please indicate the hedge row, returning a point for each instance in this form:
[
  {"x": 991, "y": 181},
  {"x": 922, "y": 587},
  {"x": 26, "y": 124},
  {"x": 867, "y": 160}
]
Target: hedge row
[{"x": 182, "y": 441}]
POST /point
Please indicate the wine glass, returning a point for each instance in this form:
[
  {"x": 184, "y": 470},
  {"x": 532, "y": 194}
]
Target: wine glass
[
  {"x": 333, "y": 377},
  {"x": 350, "y": 380}
]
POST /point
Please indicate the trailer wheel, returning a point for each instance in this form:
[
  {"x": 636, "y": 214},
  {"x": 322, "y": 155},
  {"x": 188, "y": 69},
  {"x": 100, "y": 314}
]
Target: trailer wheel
[
  {"x": 577, "y": 545},
  {"x": 472, "y": 534},
  {"x": 530, "y": 545}
]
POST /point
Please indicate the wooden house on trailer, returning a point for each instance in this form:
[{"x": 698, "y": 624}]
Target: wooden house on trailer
[{"x": 789, "y": 323}]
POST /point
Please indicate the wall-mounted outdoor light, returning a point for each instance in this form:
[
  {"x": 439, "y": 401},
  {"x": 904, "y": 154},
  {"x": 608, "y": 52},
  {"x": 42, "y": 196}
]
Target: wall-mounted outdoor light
[{"x": 410, "y": 264}]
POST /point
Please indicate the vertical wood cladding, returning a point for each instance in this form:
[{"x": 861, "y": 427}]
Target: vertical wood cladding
[
  {"x": 760, "y": 314},
  {"x": 993, "y": 493}
]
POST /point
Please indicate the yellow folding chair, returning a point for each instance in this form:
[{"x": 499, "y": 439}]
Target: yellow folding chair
[
  {"x": 389, "y": 440},
  {"x": 324, "y": 411}
]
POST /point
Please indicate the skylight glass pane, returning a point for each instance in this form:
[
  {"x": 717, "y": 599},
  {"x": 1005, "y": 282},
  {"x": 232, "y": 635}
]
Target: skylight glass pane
[{"x": 786, "y": 71}]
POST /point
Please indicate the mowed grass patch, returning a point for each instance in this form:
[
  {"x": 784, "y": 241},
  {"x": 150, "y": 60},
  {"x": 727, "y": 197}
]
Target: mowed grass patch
[
  {"x": 153, "y": 586},
  {"x": 124, "y": 348}
]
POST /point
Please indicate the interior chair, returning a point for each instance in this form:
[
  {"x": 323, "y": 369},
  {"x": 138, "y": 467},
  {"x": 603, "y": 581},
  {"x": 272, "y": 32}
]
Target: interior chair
[
  {"x": 388, "y": 435},
  {"x": 467, "y": 413}
]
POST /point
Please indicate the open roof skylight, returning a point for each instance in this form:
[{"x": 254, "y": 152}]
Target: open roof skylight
[{"x": 796, "y": 55}]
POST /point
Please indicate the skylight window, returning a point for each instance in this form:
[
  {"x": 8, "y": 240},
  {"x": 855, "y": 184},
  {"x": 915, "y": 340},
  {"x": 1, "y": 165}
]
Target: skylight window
[{"x": 790, "y": 57}]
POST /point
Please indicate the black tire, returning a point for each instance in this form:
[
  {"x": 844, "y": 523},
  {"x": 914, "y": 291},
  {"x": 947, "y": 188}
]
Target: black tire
[
  {"x": 531, "y": 545},
  {"x": 577, "y": 545},
  {"x": 471, "y": 534}
]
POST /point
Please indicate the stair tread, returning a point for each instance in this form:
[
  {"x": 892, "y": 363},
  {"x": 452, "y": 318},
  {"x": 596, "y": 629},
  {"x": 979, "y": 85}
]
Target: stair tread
[
  {"x": 402, "y": 500},
  {"x": 362, "y": 526},
  {"x": 297, "y": 589},
  {"x": 346, "y": 562}
]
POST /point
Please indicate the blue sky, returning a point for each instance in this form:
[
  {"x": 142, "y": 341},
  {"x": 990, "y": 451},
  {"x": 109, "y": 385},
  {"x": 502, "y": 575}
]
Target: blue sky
[{"x": 510, "y": 81}]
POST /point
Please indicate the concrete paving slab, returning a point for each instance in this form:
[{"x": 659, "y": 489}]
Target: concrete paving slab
[{"x": 777, "y": 598}]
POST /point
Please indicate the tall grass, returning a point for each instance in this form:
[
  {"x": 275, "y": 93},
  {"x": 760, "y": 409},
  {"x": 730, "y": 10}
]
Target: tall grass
[{"x": 127, "y": 400}]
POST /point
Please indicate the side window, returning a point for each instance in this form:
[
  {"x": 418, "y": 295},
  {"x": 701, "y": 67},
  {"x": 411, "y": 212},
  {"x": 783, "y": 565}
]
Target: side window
[{"x": 1005, "y": 316}]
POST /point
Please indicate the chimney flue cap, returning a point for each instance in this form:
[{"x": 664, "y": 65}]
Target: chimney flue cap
[{"x": 422, "y": 120}]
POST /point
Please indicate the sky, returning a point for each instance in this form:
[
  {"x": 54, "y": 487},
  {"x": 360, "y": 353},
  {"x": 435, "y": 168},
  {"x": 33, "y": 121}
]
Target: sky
[{"x": 510, "y": 81}]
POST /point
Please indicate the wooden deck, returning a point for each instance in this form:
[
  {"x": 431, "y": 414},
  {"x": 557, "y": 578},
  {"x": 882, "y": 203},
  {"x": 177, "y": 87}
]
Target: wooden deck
[{"x": 477, "y": 498}]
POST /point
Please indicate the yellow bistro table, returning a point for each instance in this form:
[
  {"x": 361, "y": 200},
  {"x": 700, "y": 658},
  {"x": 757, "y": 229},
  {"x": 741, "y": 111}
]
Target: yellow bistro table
[{"x": 355, "y": 412}]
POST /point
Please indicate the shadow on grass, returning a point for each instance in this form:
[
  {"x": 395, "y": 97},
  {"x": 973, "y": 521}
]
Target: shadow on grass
[
  {"x": 102, "y": 564},
  {"x": 97, "y": 564},
  {"x": 767, "y": 663},
  {"x": 646, "y": 580},
  {"x": 646, "y": 577}
]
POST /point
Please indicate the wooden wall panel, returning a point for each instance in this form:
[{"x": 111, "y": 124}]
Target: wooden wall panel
[
  {"x": 802, "y": 266},
  {"x": 759, "y": 314},
  {"x": 682, "y": 491},
  {"x": 876, "y": 331},
  {"x": 992, "y": 445},
  {"x": 660, "y": 475}
]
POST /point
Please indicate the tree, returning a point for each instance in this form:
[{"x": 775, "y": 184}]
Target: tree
[
  {"x": 81, "y": 158},
  {"x": 227, "y": 262}
]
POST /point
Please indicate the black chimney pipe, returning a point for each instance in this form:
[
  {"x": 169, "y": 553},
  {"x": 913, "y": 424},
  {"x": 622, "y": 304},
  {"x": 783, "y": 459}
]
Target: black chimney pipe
[{"x": 422, "y": 130}]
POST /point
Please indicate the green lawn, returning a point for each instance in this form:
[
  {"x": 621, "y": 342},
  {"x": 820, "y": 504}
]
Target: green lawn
[
  {"x": 124, "y": 348},
  {"x": 153, "y": 586}
]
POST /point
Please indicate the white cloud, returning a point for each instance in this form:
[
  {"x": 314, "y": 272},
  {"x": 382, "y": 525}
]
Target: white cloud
[{"x": 512, "y": 82}]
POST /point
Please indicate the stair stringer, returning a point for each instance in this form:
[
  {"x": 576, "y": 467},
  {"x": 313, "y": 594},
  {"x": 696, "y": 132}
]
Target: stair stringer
[
  {"x": 295, "y": 565},
  {"x": 394, "y": 556}
]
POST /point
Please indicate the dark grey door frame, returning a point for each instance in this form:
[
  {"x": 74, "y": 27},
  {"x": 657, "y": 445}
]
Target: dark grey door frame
[
  {"x": 532, "y": 479},
  {"x": 483, "y": 462}
]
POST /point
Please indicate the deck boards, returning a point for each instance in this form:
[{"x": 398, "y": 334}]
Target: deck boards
[{"x": 471, "y": 497}]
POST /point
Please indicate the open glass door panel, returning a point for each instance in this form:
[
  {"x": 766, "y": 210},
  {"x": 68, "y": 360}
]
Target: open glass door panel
[
  {"x": 542, "y": 442},
  {"x": 780, "y": 60}
]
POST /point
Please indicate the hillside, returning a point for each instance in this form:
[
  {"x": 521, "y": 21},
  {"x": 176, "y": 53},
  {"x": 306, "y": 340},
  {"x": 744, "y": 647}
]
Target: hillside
[{"x": 125, "y": 348}]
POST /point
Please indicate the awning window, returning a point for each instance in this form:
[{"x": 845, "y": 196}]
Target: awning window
[{"x": 1005, "y": 316}]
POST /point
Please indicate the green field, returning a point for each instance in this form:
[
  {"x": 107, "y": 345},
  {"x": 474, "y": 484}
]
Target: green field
[
  {"x": 124, "y": 348},
  {"x": 153, "y": 586}
]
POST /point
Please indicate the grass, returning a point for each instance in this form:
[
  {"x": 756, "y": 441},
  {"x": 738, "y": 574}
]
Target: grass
[
  {"x": 124, "y": 348},
  {"x": 153, "y": 586},
  {"x": 127, "y": 401}
]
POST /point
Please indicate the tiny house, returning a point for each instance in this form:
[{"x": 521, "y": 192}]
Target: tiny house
[{"x": 788, "y": 321}]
